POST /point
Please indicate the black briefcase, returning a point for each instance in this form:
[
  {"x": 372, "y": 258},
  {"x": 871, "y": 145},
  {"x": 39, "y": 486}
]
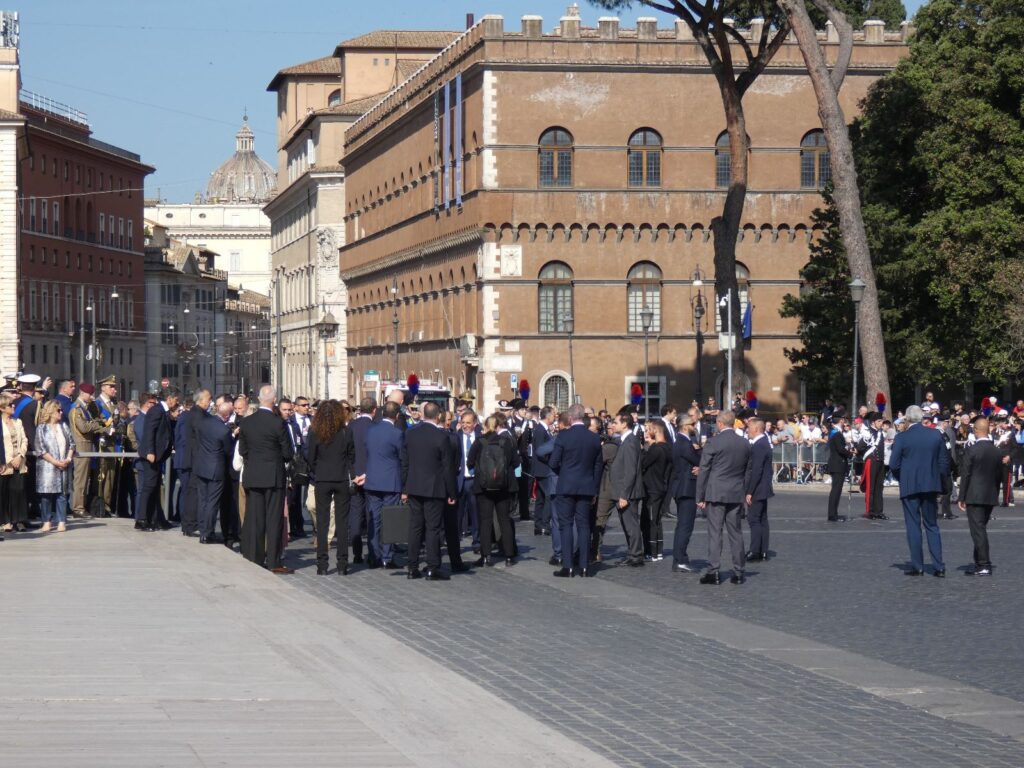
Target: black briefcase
[{"x": 394, "y": 524}]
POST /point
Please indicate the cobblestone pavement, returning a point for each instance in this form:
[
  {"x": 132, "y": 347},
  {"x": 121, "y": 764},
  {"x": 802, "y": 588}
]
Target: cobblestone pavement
[{"x": 644, "y": 692}]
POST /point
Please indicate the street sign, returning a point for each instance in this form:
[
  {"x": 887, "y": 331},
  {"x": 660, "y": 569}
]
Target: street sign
[{"x": 514, "y": 378}]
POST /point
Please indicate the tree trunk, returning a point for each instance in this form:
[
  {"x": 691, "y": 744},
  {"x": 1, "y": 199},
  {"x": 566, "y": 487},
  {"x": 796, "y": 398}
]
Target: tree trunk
[
  {"x": 726, "y": 227},
  {"x": 846, "y": 193}
]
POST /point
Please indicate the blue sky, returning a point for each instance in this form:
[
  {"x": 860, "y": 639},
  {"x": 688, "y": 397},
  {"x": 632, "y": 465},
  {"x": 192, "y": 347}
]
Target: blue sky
[{"x": 170, "y": 80}]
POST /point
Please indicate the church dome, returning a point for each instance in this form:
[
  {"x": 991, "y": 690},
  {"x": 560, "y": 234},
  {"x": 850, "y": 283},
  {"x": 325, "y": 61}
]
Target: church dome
[{"x": 244, "y": 177}]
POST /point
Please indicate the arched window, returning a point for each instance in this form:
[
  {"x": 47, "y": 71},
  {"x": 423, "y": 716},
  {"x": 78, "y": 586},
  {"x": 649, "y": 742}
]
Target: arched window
[
  {"x": 556, "y": 392},
  {"x": 723, "y": 172},
  {"x": 815, "y": 168},
  {"x": 554, "y": 299},
  {"x": 644, "y": 290},
  {"x": 743, "y": 288},
  {"x": 334, "y": 98},
  {"x": 554, "y": 158},
  {"x": 644, "y": 157}
]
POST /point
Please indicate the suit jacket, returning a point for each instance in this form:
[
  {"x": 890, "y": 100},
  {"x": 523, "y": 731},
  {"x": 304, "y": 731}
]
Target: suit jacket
[
  {"x": 540, "y": 437},
  {"x": 577, "y": 459},
  {"x": 609, "y": 449},
  {"x": 724, "y": 469},
  {"x": 838, "y": 454},
  {"x": 759, "y": 484},
  {"x": 213, "y": 448},
  {"x": 627, "y": 481},
  {"x": 332, "y": 462},
  {"x": 385, "y": 455},
  {"x": 358, "y": 428},
  {"x": 919, "y": 459},
  {"x": 182, "y": 443},
  {"x": 461, "y": 457},
  {"x": 425, "y": 462},
  {"x": 684, "y": 458},
  {"x": 264, "y": 444},
  {"x": 981, "y": 472},
  {"x": 156, "y": 434}
]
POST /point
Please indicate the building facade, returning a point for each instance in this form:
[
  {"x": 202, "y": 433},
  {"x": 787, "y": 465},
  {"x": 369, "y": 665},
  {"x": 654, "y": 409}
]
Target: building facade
[
  {"x": 12, "y": 149},
  {"x": 229, "y": 218},
  {"x": 317, "y": 102},
  {"x": 519, "y": 203}
]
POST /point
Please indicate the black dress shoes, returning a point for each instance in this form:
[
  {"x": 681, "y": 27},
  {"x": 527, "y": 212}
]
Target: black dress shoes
[
  {"x": 164, "y": 525},
  {"x": 564, "y": 573},
  {"x": 432, "y": 575},
  {"x": 141, "y": 526},
  {"x": 683, "y": 568},
  {"x": 711, "y": 577},
  {"x": 585, "y": 573},
  {"x": 372, "y": 563},
  {"x": 191, "y": 534},
  {"x": 390, "y": 565},
  {"x": 978, "y": 571},
  {"x": 554, "y": 561},
  {"x": 459, "y": 567},
  {"x": 880, "y": 516},
  {"x": 509, "y": 562},
  {"x": 939, "y": 574},
  {"x": 414, "y": 574},
  {"x": 840, "y": 519},
  {"x": 754, "y": 557},
  {"x": 357, "y": 559},
  {"x": 483, "y": 562},
  {"x": 343, "y": 570},
  {"x": 212, "y": 539},
  {"x": 737, "y": 578},
  {"x": 913, "y": 572},
  {"x": 635, "y": 563},
  {"x": 321, "y": 571}
]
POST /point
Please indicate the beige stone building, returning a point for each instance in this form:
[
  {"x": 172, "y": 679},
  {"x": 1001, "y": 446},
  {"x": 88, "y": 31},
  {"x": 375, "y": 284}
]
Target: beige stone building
[
  {"x": 317, "y": 102},
  {"x": 528, "y": 193}
]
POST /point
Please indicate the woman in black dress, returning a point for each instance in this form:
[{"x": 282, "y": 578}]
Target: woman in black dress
[
  {"x": 657, "y": 472},
  {"x": 331, "y": 456}
]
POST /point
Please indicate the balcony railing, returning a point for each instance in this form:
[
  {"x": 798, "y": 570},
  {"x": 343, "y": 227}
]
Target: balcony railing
[{"x": 50, "y": 106}]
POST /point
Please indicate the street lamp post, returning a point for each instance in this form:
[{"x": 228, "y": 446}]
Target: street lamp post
[
  {"x": 698, "y": 322},
  {"x": 726, "y": 301},
  {"x": 327, "y": 327},
  {"x": 92, "y": 344},
  {"x": 567, "y": 323},
  {"x": 857, "y": 287},
  {"x": 394, "y": 322},
  {"x": 647, "y": 318}
]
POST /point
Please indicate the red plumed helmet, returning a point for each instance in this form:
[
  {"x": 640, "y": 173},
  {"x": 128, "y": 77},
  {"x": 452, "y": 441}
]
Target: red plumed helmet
[{"x": 413, "y": 384}]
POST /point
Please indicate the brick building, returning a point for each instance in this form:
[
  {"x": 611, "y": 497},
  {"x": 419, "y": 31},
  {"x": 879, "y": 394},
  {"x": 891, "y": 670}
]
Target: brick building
[{"x": 525, "y": 195}]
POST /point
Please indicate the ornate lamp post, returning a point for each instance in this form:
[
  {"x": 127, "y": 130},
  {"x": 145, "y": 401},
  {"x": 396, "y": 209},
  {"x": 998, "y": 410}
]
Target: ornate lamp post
[
  {"x": 647, "y": 319},
  {"x": 699, "y": 311},
  {"x": 857, "y": 287},
  {"x": 327, "y": 328}
]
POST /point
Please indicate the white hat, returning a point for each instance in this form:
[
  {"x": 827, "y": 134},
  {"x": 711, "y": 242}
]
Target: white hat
[{"x": 29, "y": 378}]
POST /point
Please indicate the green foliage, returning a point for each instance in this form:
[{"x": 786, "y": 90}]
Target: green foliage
[
  {"x": 824, "y": 309},
  {"x": 940, "y": 154}
]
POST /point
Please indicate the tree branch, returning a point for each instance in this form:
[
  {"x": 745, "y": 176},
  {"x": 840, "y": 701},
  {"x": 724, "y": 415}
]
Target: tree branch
[
  {"x": 736, "y": 35},
  {"x": 845, "y": 31},
  {"x": 765, "y": 55},
  {"x": 672, "y": 10}
]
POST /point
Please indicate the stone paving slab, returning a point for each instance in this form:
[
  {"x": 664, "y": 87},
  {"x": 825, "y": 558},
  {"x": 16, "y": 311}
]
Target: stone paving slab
[{"x": 129, "y": 649}]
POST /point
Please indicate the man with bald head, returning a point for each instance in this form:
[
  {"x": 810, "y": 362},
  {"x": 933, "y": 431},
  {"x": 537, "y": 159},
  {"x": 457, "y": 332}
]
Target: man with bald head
[{"x": 981, "y": 471}]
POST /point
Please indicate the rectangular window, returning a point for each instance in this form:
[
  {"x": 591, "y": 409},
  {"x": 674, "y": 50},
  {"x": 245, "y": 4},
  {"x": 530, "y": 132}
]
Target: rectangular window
[
  {"x": 56, "y": 305},
  {"x": 723, "y": 173},
  {"x": 640, "y": 296},
  {"x": 103, "y": 229},
  {"x": 120, "y": 233},
  {"x": 32, "y": 301},
  {"x": 46, "y": 219},
  {"x": 131, "y": 236},
  {"x": 110, "y": 223},
  {"x": 235, "y": 264},
  {"x": 807, "y": 163},
  {"x": 32, "y": 214},
  {"x": 56, "y": 219},
  {"x": 44, "y": 297}
]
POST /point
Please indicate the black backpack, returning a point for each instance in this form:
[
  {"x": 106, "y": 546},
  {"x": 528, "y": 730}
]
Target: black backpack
[{"x": 491, "y": 466}]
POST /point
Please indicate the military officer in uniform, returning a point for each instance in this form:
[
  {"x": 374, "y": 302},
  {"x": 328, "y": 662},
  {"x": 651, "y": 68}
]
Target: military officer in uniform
[
  {"x": 105, "y": 410},
  {"x": 85, "y": 430}
]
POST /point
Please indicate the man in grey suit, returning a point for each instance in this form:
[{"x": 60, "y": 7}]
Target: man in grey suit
[
  {"x": 627, "y": 486},
  {"x": 725, "y": 468}
]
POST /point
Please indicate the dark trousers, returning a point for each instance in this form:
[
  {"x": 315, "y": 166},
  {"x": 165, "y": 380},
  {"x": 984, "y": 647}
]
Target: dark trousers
[
  {"x": 1006, "y": 495},
  {"x": 375, "y": 503},
  {"x": 149, "y": 493},
  {"x": 264, "y": 526},
  {"x": 490, "y": 505},
  {"x": 426, "y": 524},
  {"x": 229, "y": 509},
  {"x": 524, "y": 482},
  {"x": 469, "y": 515},
  {"x": 574, "y": 517},
  {"x": 686, "y": 515},
  {"x": 296, "y": 499},
  {"x": 757, "y": 519},
  {"x": 977, "y": 518},
  {"x": 542, "y": 507},
  {"x": 325, "y": 493},
  {"x": 208, "y": 493},
  {"x": 452, "y": 535},
  {"x": 357, "y": 521},
  {"x": 650, "y": 525},
  {"x": 874, "y": 477},
  {"x": 187, "y": 507},
  {"x": 629, "y": 518},
  {"x": 126, "y": 491},
  {"x": 724, "y": 517},
  {"x": 838, "y": 480},
  {"x": 921, "y": 508}
]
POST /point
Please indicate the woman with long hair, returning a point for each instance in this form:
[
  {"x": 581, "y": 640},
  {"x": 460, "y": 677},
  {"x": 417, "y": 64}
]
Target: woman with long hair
[
  {"x": 13, "y": 468},
  {"x": 53, "y": 479},
  {"x": 493, "y": 459},
  {"x": 657, "y": 472},
  {"x": 331, "y": 456}
]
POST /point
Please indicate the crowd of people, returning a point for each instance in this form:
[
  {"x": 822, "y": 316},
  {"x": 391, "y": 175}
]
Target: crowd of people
[{"x": 411, "y": 481}]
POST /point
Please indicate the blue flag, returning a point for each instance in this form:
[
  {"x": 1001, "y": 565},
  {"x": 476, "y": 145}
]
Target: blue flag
[{"x": 748, "y": 322}]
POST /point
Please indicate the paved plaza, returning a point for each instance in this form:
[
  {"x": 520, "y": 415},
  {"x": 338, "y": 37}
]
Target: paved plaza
[{"x": 129, "y": 649}]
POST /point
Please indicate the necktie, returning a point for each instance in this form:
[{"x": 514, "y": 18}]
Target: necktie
[{"x": 467, "y": 444}]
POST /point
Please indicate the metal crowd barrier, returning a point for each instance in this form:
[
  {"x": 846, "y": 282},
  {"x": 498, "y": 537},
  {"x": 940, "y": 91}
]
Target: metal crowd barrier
[{"x": 799, "y": 463}]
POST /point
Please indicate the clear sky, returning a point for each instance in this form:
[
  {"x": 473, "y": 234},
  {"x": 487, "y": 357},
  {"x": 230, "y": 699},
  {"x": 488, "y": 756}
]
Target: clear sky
[{"x": 170, "y": 80}]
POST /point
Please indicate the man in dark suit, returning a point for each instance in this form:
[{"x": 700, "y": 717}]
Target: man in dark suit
[
  {"x": 542, "y": 472},
  {"x": 427, "y": 485},
  {"x": 358, "y": 519},
  {"x": 838, "y": 466},
  {"x": 981, "y": 470},
  {"x": 184, "y": 501},
  {"x": 469, "y": 520},
  {"x": 685, "y": 465},
  {"x": 724, "y": 473},
  {"x": 919, "y": 459},
  {"x": 265, "y": 447},
  {"x": 576, "y": 458},
  {"x": 229, "y": 524},
  {"x": 627, "y": 485},
  {"x": 154, "y": 449},
  {"x": 210, "y": 454},
  {"x": 873, "y": 477},
  {"x": 759, "y": 489},
  {"x": 294, "y": 486},
  {"x": 385, "y": 454}
]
